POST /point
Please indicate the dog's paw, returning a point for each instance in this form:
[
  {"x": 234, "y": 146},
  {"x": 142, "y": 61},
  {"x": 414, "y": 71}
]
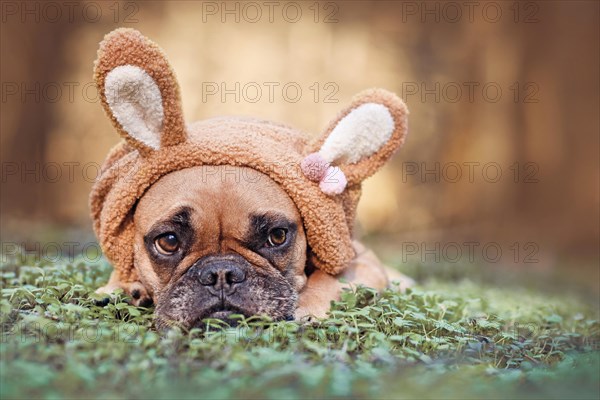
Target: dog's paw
[{"x": 140, "y": 297}]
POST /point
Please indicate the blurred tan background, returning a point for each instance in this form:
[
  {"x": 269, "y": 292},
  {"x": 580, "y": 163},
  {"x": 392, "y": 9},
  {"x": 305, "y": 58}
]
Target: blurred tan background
[{"x": 493, "y": 88}]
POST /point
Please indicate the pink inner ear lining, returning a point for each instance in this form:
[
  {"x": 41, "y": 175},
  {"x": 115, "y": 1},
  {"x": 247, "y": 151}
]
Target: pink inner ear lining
[
  {"x": 334, "y": 182},
  {"x": 314, "y": 167}
]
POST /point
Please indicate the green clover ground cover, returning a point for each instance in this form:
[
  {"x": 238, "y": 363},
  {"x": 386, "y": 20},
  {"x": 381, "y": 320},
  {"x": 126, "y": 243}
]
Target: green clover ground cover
[{"x": 440, "y": 340}]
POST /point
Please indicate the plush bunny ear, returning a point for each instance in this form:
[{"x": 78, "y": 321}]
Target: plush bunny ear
[
  {"x": 358, "y": 142},
  {"x": 139, "y": 91}
]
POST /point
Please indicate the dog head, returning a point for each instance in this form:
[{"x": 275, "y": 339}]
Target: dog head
[
  {"x": 215, "y": 241},
  {"x": 167, "y": 213}
]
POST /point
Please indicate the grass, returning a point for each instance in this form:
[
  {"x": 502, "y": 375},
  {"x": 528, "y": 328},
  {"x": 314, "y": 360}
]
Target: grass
[{"x": 444, "y": 339}]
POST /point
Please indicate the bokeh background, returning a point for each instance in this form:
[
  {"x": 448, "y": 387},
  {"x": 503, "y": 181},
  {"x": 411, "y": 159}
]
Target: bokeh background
[{"x": 503, "y": 148}]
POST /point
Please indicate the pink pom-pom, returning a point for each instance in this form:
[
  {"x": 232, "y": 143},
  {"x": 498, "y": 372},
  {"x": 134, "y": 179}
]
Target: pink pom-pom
[
  {"x": 314, "y": 167},
  {"x": 334, "y": 182}
]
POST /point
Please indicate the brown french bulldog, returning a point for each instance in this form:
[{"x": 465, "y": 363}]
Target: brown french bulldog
[
  {"x": 196, "y": 219},
  {"x": 223, "y": 240}
]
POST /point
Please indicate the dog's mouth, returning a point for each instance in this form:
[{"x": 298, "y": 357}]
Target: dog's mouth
[
  {"x": 223, "y": 311},
  {"x": 229, "y": 314},
  {"x": 232, "y": 318},
  {"x": 224, "y": 314}
]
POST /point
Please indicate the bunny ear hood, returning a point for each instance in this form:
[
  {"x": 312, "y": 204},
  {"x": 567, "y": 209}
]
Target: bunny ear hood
[{"x": 140, "y": 94}]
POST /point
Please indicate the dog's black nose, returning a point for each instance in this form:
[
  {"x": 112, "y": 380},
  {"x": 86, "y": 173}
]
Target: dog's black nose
[{"x": 221, "y": 275}]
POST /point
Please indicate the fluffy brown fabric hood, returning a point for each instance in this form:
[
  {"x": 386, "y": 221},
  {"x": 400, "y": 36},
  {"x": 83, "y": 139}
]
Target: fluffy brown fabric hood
[{"x": 140, "y": 94}]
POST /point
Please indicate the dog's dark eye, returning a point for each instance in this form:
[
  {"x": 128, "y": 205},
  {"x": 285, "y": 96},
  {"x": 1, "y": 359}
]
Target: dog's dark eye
[
  {"x": 276, "y": 237},
  {"x": 167, "y": 243}
]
